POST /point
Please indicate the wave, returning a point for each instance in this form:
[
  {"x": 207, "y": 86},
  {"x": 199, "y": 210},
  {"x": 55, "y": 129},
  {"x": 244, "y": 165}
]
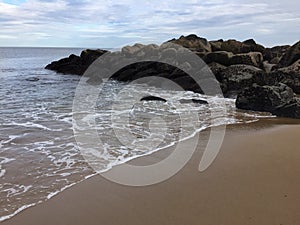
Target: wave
[{"x": 37, "y": 136}]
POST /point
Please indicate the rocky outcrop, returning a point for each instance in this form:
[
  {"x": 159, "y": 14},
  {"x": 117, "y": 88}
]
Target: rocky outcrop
[
  {"x": 279, "y": 100},
  {"x": 76, "y": 64},
  {"x": 291, "y": 55},
  {"x": 236, "y": 65},
  {"x": 146, "y": 69}
]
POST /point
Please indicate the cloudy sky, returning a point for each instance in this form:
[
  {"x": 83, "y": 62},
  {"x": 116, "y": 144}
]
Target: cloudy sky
[{"x": 107, "y": 23}]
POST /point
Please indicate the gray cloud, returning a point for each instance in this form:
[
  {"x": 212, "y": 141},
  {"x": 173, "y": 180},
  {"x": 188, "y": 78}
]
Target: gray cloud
[{"x": 107, "y": 24}]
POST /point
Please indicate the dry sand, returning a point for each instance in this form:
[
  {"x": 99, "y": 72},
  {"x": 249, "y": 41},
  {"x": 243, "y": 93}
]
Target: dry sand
[{"x": 254, "y": 180}]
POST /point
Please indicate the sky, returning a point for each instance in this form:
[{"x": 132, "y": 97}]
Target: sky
[{"x": 112, "y": 24}]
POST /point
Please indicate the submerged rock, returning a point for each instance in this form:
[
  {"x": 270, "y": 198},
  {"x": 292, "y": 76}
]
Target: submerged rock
[
  {"x": 32, "y": 79},
  {"x": 193, "y": 100},
  {"x": 153, "y": 98}
]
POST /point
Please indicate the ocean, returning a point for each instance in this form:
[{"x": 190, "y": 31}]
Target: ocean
[{"x": 39, "y": 156}]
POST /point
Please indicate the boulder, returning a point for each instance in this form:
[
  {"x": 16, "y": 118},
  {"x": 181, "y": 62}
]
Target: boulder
[
  {"x": 291, "y": 55},
  {"x": 216, "y": 45},
  {"x": 70, "y": 65},
  {"x": 238, "y": 47},
  {"x": 187, "y": 83},
  {"x": 193, "y": 42},
  {"x": 129, "y": 50},
  {"x": 76, "y": 65},
  {"x": 32, "y": 79},
  {"x": 268, "y": 66},
  {"x": 146, "y": 69},
  {"x": 251, "y": 58},
  {"x": 228, "y": 58},
  {"x": 196, "y": 101},
  {"x": 148, "y": 50},
  {"x": 251, "y": 46},
  {"x": 237, "y": 77},
  {"x": 278, "y": 100},
  {"x": 273, "y": 55},
  {"x": 289, "y": 75},
  {"x": 217, "y": 69},
  {"x": 221, "y": 57},
  {"x": 88, "y": 56},
  {"x": 231, "y": 46}
]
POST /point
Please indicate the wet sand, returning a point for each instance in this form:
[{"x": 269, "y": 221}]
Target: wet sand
[{"x": 254, "y": 180}]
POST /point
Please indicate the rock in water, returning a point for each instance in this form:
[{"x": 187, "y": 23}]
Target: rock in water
[
  {"x": 74, "y": 64},
  {"x": 32, "y": 79},
  {"x": 278, "y": 100},
  {"x": 197, "y": 101},
  {"x": 153, "y": 98}
]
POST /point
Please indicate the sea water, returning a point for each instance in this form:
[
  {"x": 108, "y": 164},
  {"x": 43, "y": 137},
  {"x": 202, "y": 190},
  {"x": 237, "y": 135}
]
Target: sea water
[{"x": 39, "y": 156}]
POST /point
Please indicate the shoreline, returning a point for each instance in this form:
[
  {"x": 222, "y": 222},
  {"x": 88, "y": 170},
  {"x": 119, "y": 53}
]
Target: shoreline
[{"x": 82, "y": 203}]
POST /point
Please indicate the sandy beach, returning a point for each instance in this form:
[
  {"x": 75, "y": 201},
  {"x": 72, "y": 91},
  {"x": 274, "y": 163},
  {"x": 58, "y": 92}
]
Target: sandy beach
[{"x": 254, "y": 180}]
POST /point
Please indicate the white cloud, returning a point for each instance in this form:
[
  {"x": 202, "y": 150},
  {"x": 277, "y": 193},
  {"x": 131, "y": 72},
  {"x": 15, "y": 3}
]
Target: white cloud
[{"x": 66, "y": 22}]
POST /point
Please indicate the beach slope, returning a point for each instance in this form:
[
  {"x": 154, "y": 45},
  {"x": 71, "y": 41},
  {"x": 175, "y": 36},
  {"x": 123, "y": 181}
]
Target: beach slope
[{"x": 254, "y": 180}]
